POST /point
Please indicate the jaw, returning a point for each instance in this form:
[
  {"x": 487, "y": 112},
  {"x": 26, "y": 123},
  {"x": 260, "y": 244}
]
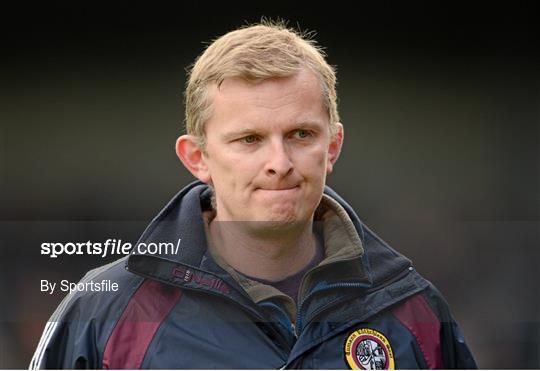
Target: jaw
[{"x": 277, "y": 229}]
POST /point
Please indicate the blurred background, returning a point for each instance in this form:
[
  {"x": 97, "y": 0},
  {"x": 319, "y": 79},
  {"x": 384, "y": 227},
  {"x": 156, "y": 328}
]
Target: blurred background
[{"x": 441, "y": 108}]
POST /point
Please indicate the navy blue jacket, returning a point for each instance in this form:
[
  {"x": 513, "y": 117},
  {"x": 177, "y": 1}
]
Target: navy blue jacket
[{"x": 185, "y": 310}]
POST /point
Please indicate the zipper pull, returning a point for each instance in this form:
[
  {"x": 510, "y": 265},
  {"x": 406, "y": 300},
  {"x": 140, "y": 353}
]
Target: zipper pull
[{"x": 293, "y": 328}]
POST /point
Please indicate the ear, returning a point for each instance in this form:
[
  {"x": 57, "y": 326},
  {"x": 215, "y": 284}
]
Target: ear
[
  {"x": 193, "y": 158},
  {"x": 334, "y": 148}
]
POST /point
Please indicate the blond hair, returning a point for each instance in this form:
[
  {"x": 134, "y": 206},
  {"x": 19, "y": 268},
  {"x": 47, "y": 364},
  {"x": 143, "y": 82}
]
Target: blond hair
[{"x": 255, "y": 53}]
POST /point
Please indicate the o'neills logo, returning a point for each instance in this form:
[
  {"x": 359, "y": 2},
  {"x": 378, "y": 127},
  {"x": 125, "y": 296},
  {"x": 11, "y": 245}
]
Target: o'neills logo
[
  {"x": 188, "y": 275},
  {"x": 367, "y": 349}
]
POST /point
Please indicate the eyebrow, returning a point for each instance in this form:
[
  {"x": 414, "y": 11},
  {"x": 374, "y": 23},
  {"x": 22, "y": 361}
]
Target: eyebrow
[
  {"x": 239, "y": 133},
  {"x": 313, "y": 125}
]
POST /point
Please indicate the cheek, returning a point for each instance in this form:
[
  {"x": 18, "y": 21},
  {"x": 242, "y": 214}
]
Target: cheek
[
  {"x": 312, "y": 167},
  {"x": 314, "y": 162},
  {"x": 231, "y": 174}
]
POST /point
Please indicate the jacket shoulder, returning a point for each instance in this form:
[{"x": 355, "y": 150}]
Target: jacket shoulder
[
  {"x": 77, "y": 332},
  {"x": 426, "y": 315}
]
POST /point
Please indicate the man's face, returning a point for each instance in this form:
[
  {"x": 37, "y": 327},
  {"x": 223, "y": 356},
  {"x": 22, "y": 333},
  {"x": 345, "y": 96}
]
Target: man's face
[{"x": 268, "y": 148}]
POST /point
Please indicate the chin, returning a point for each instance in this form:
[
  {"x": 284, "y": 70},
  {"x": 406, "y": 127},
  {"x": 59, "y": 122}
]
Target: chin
[
  {"x": 282, "y": 218},
  {"x": 274, "y": 228}
]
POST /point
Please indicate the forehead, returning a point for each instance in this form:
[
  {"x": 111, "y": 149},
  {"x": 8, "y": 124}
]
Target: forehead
[
  {"x": 295, "y": 97},
  {"x": 304, "y": 80}
]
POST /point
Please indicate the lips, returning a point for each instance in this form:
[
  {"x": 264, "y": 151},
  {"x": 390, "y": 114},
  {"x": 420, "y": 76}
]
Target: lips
[{"x": 278, "y": 189}]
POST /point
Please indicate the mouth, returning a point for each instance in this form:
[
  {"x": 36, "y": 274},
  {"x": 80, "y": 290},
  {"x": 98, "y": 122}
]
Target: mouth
[{"x": 277, "y": 189}]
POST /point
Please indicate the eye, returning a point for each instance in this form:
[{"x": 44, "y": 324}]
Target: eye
[
  {"x": 249, "y": 139},
  {"x": 302, "y": 133}
]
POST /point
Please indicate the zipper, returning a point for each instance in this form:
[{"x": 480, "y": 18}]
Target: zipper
[
  {"x": 253, "y": 313},
  {"x": 300, "y": 314},
  {"x": 287, "y": 326},
  {"x": 246, "y": 309}
]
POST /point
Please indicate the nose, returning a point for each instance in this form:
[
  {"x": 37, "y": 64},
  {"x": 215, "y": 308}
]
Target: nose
[{"x": 279, "y": 161}]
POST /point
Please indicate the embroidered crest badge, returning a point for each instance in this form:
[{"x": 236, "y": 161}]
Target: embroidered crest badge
[{"x": 367, "y": 349}]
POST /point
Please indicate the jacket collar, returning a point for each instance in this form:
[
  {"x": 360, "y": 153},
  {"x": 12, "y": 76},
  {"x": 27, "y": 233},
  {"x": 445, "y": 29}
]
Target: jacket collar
[
  {"x": 341, "y": 240},
  {"x": 346, "y": 239},
  {"x": 180, "y": 220},
  {"x": 341, "y": 244}
]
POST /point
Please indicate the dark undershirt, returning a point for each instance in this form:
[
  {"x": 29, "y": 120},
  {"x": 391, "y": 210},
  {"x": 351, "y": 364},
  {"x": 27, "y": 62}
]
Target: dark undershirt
[{"x": 290, "y": 285}]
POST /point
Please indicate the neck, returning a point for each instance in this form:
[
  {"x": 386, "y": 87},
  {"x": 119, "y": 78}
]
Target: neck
[{"x": 270, "y": 254}]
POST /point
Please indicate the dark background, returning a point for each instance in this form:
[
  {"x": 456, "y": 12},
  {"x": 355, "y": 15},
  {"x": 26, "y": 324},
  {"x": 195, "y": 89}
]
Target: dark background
[{"x": 441, "y": 108}]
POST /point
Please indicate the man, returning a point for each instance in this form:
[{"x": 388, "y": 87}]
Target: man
[{"x": 275, "y": 270}]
